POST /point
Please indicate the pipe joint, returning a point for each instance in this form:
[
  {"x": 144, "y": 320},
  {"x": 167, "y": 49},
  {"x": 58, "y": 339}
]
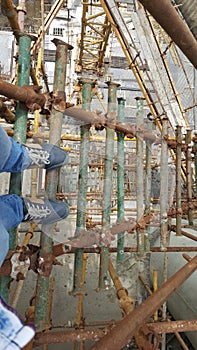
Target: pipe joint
[{"x": 21, "y": 8}]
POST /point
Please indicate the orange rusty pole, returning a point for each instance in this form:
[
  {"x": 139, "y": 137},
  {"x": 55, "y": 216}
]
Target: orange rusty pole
[
  {"x": 29, "y": 95},
  {"x": 121, "y": 334},
  {"x": 167, "y": 16},
  {"x": 8, "y": 9}
]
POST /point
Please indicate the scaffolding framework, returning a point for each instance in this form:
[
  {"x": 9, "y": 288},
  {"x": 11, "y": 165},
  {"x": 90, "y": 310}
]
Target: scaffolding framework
[{"x": 117, "y": 212}]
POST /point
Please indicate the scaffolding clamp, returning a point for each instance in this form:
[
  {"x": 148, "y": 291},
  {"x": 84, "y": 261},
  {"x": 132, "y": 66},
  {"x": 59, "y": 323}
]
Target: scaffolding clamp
[
  {"x": 19, "y": 267},
  {"x": 45, "y": 264}
]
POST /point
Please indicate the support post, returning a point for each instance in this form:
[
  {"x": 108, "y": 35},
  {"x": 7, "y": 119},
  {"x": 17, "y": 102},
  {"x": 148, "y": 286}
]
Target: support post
[
  {"x": 148, "y": 186},
  {"x": 189, "y": 176},
  {"x": 195, "y": 160},
  {"x": 139, "y": 175},
  {"x": 178, "y": 181},
  {"x": 87, "y": 86},
  {"x": 164, "y": 209},
  {"x": 43, "y": 281},
  {"x": 120, "y": 180},
  {"x": 108, "y": 172},
  {"x": 164, "y": 185},
  {"x": 20, "y": 128}
]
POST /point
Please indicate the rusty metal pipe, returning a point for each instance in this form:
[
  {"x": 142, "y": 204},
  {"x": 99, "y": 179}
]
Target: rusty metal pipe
[
  {"x": 9, "y": 10},
  {"x": 71, "y": 335},
  {"x": 177, "y": 335},
  {"x": 91, "y": 117},
  {"x": 126, "y": 303},
  {"x": 54, "y": 337},
  {"x": 6, "y": 113},
  {"x": 166, "y": 15},
  {"x": 25, "y": 94},
  {"x": 62, "y": 248},
  {"x": 173, "y": 326},
  {"x": 189, "y": 235},
  {"x": 120, "y": 335},
  {"x": 17, "y": 24}
]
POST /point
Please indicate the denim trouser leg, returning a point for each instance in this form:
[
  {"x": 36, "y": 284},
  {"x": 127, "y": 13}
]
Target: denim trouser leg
[
  {"x": 11, "y": 214},
  {"x": 13, "y": 155}
]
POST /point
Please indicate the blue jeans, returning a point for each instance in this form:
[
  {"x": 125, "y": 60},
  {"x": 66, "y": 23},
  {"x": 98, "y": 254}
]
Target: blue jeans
[{"x": 13, "y": 158}]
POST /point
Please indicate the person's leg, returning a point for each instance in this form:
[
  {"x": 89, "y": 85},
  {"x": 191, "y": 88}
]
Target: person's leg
[
  {"x": 11, "y": 210},
  {"x": 12, "y": 154},
  {"x": 4, "y": 243},
  {"x": 15, "y": 157},
  {"x": 14, "y": 209},
  {"x": 11, "y": 214}
]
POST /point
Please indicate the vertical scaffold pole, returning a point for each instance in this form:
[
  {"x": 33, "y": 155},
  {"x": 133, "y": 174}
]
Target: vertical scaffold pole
[
  {"x": 195, "y": 160},
  {"x": 139, "y": 175},
  {"x": 164, "y": 185},
  {"x": 164, "y": 208},
  {"x": 178, "y": 180},
  {"x": 87, "y": 86},
  {"x": 43, "y": 281},
  {"x": 20, "y": 128},
  {"x": 107, "y": 190},
  {"x": 148, "y": 186},
  {"x": 189, "y": 176},
  {"x": 120, "y": 180}
]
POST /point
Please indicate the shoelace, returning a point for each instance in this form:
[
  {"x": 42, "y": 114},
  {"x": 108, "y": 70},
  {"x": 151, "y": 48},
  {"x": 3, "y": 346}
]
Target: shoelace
[
  {"x": 36, "y": 212},
  {"x": 38, "y": 156}
]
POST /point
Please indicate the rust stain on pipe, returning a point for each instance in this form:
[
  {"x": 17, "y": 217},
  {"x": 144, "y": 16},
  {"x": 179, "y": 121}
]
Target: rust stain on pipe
[
  {"x": 6, "y": 113},
  {"x": 166, "y": 15},
  {"x": 100, "y": 121},
  {"x": 173, "y": 326},
  {"x": 61, "y": 248},
  {"x": 71, "y": 335},
  {"x": 120, "y": 335},
  {"x": 8, "y": 9},
  {"x": 55, "y": 337},
  {"x": 189, "y": 235},
  {"x": 29, "y": 95}
]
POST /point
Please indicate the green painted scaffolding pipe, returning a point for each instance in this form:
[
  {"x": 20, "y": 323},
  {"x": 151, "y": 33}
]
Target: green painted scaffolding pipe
[
  {"x": 139, "y": 174},
  {"x": 148, "y": 178},
  {"x": 164, "y": 185},
  {"x": 120, "y": 180},
  {"x": 195, "y": 160},
  {"x": 87, "y": 86},
  {"x": 163, "y": 210},
  {"x": 189, "y": 176},
  {"x": 43, "y": 282},
  {"x": 178, "y": 181},
  {"x": 20, "y": 128},
  {"x": 107, "y": 190}
]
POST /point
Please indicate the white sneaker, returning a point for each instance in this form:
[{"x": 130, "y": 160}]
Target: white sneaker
[
  {"x": 44, "y": 211},
  {"x": 46, "y": 156}
]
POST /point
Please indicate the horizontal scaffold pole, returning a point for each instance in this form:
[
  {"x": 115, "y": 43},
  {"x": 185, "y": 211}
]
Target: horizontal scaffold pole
[
  {"x": 121, "y": 334},
  {"x": 55, "y": 337}
]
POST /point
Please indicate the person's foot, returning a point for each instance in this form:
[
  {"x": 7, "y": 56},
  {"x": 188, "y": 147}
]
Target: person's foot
[
  {"x": 45, "y": 211},
  {"x": 46, "y": 156},
  {"x": 14, "y": 335}
]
